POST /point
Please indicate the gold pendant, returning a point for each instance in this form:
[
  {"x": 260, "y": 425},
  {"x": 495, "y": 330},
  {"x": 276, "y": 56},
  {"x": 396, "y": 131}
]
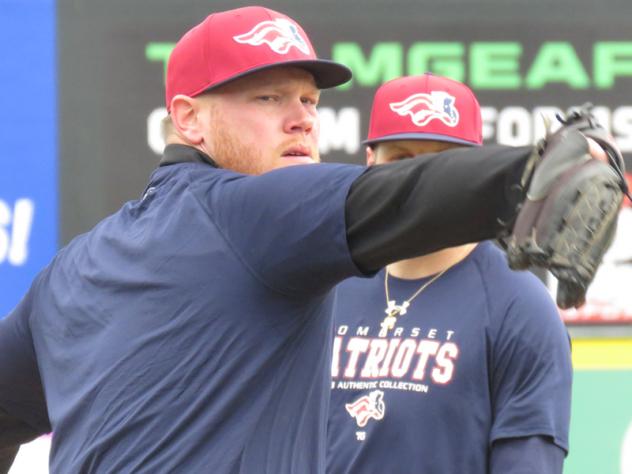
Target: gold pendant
[{"x": 392, "y": 311}]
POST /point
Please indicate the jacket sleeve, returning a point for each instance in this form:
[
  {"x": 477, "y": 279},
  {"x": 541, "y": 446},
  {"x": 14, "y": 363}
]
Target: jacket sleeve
[
  {"x": 23, "y": 410},
  {"x": 417, "y": 206},
  {"x": 13, "y": 433}
]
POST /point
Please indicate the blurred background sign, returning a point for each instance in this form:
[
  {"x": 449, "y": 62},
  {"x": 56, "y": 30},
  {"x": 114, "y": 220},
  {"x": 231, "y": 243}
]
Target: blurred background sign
[
  {"x": 601, "y": 417},
  {"x": 28, "y": 155}
]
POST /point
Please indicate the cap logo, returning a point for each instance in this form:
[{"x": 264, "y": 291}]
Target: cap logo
[
  {"x": 367, "y": 407},
  {"x": 280, "y": 35},
  {"x": 423, "y": 108}
]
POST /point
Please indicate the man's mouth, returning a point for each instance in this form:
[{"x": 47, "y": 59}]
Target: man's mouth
[
  {"x": 297, "y": 151},
  {"x": 301, "y": 153}
]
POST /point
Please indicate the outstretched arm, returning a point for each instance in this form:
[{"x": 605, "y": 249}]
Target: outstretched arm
[
  {"x": 559, "y": 205},
  {"x": 417, "y": 206}
]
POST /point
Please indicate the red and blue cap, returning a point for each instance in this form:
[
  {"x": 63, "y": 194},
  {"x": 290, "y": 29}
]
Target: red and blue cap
[
  {"x": 425, "y": 107},
  {"x": 232, "y": 44}
]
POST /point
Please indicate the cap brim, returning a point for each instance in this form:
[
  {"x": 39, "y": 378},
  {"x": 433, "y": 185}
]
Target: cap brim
[
  {"x": 326, "y": 73},
  {"x": 419, "y": 136}
]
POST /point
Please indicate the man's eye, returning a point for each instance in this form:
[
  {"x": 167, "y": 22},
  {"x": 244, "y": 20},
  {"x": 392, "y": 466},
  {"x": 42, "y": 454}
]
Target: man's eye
[{"x": 267, "y": 98}]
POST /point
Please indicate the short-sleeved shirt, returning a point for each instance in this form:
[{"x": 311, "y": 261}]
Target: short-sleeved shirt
[
  {"x": 191, "y": 331},
  {"x": 480, "y": 355}
]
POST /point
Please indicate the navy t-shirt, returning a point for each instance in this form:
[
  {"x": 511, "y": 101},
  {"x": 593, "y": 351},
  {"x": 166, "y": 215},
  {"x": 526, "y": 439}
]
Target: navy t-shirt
[
  {"x": 190, "y": 331},
  {"x": 480, "y": 355}
]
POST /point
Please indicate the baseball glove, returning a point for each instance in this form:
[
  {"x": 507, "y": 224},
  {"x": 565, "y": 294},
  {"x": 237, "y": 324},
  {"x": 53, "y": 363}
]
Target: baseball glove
[{"x": 569, "y": 216}]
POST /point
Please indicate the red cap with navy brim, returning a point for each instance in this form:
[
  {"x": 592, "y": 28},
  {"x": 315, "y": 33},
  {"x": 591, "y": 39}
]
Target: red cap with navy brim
[
  {"x": 425, "y": 107},
  {"x": 232, "y": 44}
]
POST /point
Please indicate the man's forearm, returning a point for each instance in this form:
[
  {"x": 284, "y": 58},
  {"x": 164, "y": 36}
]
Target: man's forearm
[{"x": 421, "y": 205}]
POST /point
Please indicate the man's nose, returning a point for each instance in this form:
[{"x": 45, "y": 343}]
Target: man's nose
[{"x": 301, "y": 118}]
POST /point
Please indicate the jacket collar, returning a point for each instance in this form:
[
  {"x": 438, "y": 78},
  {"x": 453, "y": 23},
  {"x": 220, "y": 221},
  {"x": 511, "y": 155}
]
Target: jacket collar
[{"x": 176, "y": 153}]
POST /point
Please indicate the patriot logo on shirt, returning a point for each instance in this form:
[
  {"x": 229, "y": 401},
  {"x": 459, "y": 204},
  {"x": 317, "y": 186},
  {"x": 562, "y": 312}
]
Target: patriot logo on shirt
[
  {"x": 422, "y": 108},
  {"x": 367, "y": 407},
  {"x": 280, "y": 35}
]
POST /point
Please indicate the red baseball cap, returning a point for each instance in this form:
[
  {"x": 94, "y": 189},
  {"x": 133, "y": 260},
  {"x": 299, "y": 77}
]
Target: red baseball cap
[
  {"x": 425, "y": 107},
  {"x": 231, "y": 44}
]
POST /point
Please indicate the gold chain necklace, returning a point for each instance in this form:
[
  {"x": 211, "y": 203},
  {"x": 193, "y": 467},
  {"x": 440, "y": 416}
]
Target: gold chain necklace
[{"x": 394, "y": 310}]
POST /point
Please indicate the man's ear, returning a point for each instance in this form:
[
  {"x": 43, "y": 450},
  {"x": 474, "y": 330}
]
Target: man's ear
[
  {"x": 370, "y": 156},
  {"x": 184, "y": 116}
]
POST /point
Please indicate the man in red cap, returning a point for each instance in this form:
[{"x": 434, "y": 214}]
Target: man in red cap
[
  {"x": 448, "y": 362},
  {"x": 190, "y": 331}
]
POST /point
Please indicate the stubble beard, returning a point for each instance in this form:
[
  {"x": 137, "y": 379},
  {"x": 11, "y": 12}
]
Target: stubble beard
[{"x": 230, "y": 152}]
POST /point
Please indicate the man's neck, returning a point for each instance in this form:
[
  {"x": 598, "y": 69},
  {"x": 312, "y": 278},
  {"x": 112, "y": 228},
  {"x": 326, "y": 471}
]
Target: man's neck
[{"x": 430, "y": 264}]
